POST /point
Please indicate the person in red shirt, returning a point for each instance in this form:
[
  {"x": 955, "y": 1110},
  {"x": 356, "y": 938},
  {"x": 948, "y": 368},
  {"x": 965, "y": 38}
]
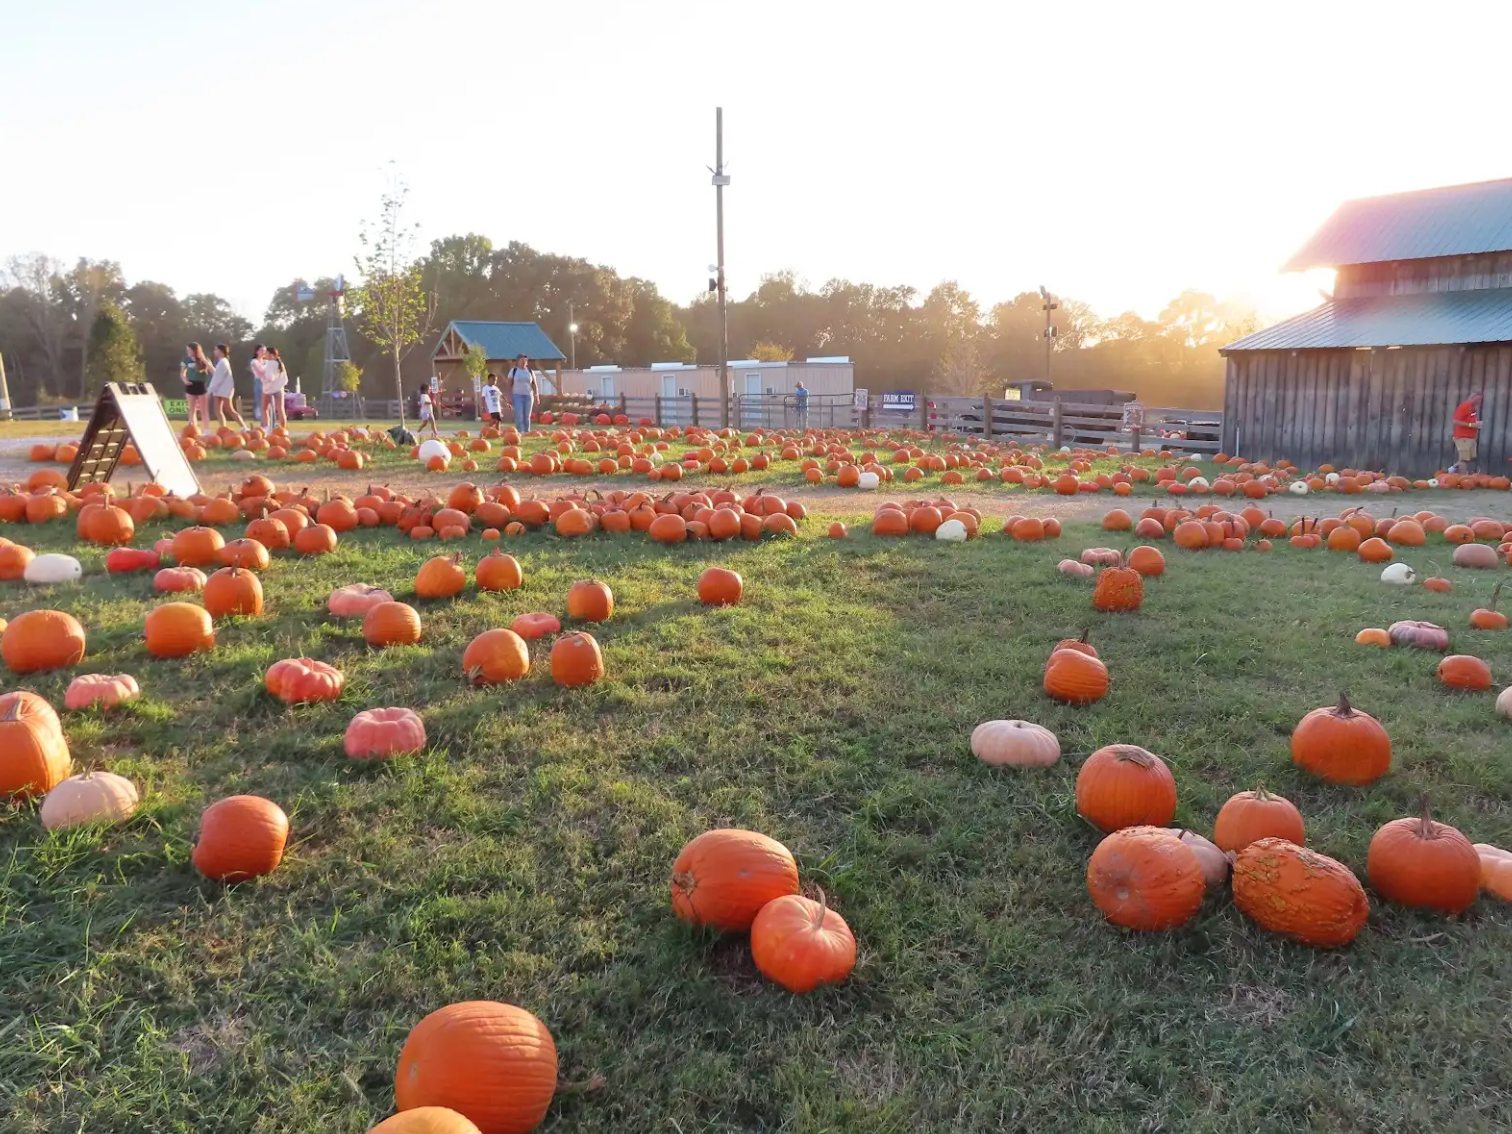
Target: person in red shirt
[{"x": 1466, "y": 432}]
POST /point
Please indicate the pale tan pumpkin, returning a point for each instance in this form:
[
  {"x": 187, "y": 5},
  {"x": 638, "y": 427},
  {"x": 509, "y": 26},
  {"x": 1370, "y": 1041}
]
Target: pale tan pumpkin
[
  {"x": 94, "y": 797},
  {"x": 1017, "y": 744}
]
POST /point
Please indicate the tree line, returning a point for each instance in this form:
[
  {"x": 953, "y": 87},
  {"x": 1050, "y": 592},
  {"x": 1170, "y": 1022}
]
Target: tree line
[{"x": 64, "y": 330}]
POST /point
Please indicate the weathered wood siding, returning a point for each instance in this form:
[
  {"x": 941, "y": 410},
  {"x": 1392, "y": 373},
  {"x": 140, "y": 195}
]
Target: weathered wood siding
[
  {"x": 1381, "y": 409},
  {"x": 1441, "y": 273}
]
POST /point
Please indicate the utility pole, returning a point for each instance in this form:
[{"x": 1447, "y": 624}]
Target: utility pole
[
  {"x": 1049, "y": 306},
  {"x": 721, "y": 179}
]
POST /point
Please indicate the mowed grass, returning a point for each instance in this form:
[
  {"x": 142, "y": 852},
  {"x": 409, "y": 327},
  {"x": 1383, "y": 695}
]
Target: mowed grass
[{"x": 526, "y": 856}]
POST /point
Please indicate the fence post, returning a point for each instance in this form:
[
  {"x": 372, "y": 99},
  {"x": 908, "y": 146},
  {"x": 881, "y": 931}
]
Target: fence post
[
  {"x": 694, "y": 399},
  {"x": 923, "y": 415},
  {"x": 656, "y": 409},
  {"x": 623, "y": 410},
  {"x": 987, "y": 416},
  {"x": 1134, "y": 440},
  {"x": 1055, "y": 425}
]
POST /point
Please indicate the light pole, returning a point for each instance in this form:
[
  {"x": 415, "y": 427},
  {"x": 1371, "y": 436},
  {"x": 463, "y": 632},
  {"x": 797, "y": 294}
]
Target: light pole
[
  {"x": 721, "y": 179},
  {"x": 1049, "y": 306},
  {"x": 571, "y": 338}
]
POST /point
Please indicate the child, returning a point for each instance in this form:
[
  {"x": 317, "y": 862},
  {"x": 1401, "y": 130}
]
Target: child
[
  {"x": 493, "y": 401},
  {"x": 428, "y": 412}
]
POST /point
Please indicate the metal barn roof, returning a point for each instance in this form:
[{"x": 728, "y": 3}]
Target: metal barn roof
[
  {"x": 1453, "y": 220},
  {"x": 509, "y": 340},
  {"x": 1432, "y": 318}
]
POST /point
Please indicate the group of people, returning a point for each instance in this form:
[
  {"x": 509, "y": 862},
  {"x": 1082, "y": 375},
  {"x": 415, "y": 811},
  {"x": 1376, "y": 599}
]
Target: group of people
[
  {"x": 210, "y": 386},
  {"x": 524, "y": 391}
]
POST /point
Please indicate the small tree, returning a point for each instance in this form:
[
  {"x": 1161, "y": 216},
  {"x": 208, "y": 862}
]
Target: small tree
[
  {"x": 348, "y": 377},
  {"x": 765, "y": 351},
  {"x": 475, "y": 362},
  {"x": 112, "y": 353},
  {"x": 394, "y": 308}
]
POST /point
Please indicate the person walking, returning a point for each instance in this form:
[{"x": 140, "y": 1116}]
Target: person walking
[
  {"x": 493, "y": 400},
  {"x": 428, "y": 412},
  {"x": 524, "y": 392},
  {"x": 1467, "y": 433},
  {"x": 275, "y": 383},
  {"x": 195, "y": 373},
  {"x": 222, "y": 388},
  {"x": 800, "y": 396}
]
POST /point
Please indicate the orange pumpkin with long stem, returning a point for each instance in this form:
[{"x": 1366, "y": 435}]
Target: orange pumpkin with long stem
[
  {"x": 802, "y": 944},
  {"x": 1425, "y": 864},
  {"x": 1342, "y": 745}
]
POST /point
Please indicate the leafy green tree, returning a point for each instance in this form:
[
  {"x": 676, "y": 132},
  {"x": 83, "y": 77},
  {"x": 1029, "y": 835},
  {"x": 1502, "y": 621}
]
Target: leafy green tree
[
  {"x": 475, "y": 362},
  {"x": 348, "y": 377},
  {"x": 770, "y": 352},
  {"x": 395, "y": 307},
  {"x": 113, "y": 354}
]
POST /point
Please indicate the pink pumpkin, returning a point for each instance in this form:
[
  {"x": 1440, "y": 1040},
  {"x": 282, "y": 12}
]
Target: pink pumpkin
[{"x": 104, "y": 690}]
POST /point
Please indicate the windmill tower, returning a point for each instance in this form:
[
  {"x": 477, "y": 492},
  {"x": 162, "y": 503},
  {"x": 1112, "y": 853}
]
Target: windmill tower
[{"x": 336, "y": 349}]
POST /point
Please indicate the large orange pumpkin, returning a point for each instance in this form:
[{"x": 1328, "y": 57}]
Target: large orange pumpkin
[
  {"x": 426, "y": 1120},
  {"x": 496, "y": 656},
  {"x": 240, "y": 837},
  {"x": 494, "y": 1063},
  {"x": 232, "y": 590},
  {"x": 499, "y": 572},
  {"x": 178, "y": 629},
  {"x": 198, "y": 547},
  {"x": 720, "y": 587},
  {"x": 441, "y": 577},
  {"x": 1122, "y": 785},
  {"x": 1425, "y": 864},
  {"x": 37, "y": 640},
  {"x": 1075, "y": 677},
  {"x": 1299, "y": 893},
  {"x": 723, "y": 877},
  {"x": 34, "y": 755},
  {"x": 1342, "y": 745},
  {"x": 576, "y": 660},
  {"x": 802, "y": 944},
  {"x": 1146, "y": 878},
  {"x": 590, "y": 600},
  {"x": 391, "y": 624}
]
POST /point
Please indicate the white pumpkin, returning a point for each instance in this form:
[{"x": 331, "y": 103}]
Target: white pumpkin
[
  {"x": 242, "y": 455},
  {"x": 1399, "y": 574},
  {"x": 53, "y": 568},
  {"x": 1198, "y": 484},
  {"x": 94, "y": 797},
  {"x": 1331, "y": 478},
  {"x": 952, "y": 531},
  {"x": 1504, "y": 702},
  {"x": 1298, "y": 488},
  {"x": 868, "y": 481},
  {"x": 1017, "y": 744},
  {"x": 1433, "y": 482},
  {"x": 1215, "y": 864},
  {"x": 1065, "y": 448},
  {"x": 433, "y": 448}
]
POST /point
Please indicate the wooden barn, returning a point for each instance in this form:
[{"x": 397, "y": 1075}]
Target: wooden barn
[
  {"x": 502, "y": 343},
  {"x": 1420, "y": 318}
]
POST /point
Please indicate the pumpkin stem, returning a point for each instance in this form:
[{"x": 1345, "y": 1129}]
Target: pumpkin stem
[
  {"x": 1344, "y": 708},
  {"x": 1495, "y": 594},
  {"x": 1261, "y": 794},
  {"x": 1425, "y": 824},
  {"x": 823, "y": 908}
]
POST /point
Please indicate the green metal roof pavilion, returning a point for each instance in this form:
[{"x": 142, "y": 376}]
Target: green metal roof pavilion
[{"x": 501, "y": 341}]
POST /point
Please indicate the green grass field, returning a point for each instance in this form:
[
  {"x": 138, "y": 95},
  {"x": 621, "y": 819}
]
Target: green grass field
[{"x": 526, "y": 856}]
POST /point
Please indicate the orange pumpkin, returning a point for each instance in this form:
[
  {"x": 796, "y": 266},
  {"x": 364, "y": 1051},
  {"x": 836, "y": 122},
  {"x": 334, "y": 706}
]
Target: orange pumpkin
[
  {"x": 178, "y": 629},
  {"x": 499, "y": 572},
  {"x": 535, "y": 625},
  {"x": 1122, "y": 785},
  {"x": 1424, "y": 864},
  {"x": 34, "y": 755},
  {"x": 496, "y": 656},
  {"x": 1145, "y": 878},
  {"x": 38, "y": 640},
  {"x": 391, "y": 624},
  {"x": 576, "y": 660},
  {"x": 802, "y": 944},
  {"x": 1461, "y": 671},
  {"x": 232, "y": 590},
  {"x": 441, "y": 577},
  {"x": 1299, "y": 893},
  {"x": 240, "y": 837},
  {"x": 248, "y": 554},
  {"x": 720, "y": 587},
  {"x": 315, "y": 539},
  {"x": 724, "y": 877},
  {"x": 198, "y": 547},
  {"x": 1342, "y": 745},
  {"x": 493, "y": 1063},
  {"x": 1253, "y": 815},
  {"x": 1075, "y": 677},
  {"x": 178, "y": 580},
  {"x": 590, "y": 600}
]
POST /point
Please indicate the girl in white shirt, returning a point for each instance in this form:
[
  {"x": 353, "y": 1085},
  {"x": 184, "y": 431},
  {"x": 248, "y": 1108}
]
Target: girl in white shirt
[
  {"x": 428, "y": 412},
  {"x": 275, "y": 381},
  {"x": 222, "y": 388}
]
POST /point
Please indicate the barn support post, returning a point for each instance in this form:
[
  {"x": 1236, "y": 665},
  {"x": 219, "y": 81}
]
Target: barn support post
[
  {"x": 694, "y": 399},
  {"x": 987, "y": 416},
  {"x": 1055, "y": 425},
  {"x": 656, "y": 409},
  {"x": 623, "y": 410}
]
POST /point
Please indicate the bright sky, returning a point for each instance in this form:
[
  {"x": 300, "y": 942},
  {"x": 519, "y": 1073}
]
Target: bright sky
[{"x": 1114, "y": 152}]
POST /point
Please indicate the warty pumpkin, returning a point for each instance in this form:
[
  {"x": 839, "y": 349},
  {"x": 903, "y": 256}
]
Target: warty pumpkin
[
  {"x": 1253, "y": 815},
  {"x": 495, "y": 656},
  {"x": 94, "y": 797},
  {"x": 300, "y": 681},
  {"x": 33, "y": 752},
  {"x": 802, "y": 944},
  {"x": 1119, "y": 590},
  {"x": 1342, "y": 745},
  {"x": 381, "y": 734},
  {"x": 590, "y": 600},
  {"x": 1016, "y": 744},
  {"x": 576, "y": 660},
  {"x": 1299, "y": 893},
  {"x": 1425, "y": 864},
  {"x": 240, "y": 837},
  {"x": 724, "y": 877},
  {"x": 39, "y": 640},
  {"x": 1122, "y": 785},
  {"x": 1145, "y": 878},
  {"x": 493, "y": 1063}
]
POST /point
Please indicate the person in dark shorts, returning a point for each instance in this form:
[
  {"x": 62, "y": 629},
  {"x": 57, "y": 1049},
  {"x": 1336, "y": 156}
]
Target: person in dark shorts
[{"x": 195, "y": 372}]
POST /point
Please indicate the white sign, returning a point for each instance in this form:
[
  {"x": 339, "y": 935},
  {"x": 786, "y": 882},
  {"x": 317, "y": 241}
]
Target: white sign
[{"x": 861, "y": 400}]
